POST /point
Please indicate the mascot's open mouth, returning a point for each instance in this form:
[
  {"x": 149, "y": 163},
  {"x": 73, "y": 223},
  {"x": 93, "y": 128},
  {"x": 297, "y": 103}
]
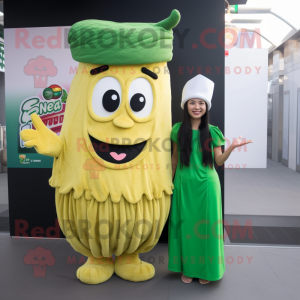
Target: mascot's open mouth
[{"x": 117, "y": 154}]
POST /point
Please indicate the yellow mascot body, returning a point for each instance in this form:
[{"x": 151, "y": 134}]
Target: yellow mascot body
[{"x": 112, "y": 164}]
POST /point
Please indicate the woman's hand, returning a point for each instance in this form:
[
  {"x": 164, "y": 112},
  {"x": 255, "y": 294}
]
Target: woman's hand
[
  {"x": 220, "y": 157},
  {"x": 239, "y": 142}
]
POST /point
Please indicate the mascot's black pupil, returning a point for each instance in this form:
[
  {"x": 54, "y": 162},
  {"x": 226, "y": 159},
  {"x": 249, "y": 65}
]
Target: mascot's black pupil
[
  {"x": 111, "y": 100},
  {"x": 137, "y": 102}
]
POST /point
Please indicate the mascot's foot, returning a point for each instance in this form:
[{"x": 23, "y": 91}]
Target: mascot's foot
[
  {"x": 96, "y": 270},
  {"x": 130, "y": 267}
]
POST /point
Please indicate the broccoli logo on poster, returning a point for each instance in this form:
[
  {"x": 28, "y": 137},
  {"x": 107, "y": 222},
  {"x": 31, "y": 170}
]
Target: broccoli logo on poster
[
  {"x": 23, "y": 159},
  {"x": 40, "y": 68}
]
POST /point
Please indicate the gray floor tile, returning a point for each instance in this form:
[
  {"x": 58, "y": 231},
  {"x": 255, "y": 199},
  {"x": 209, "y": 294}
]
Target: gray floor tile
[
  {"x": 278, "y": 262},
  {"x": 271, "y": 274},
  {"x": 274, "y": 190},
  {"x": 4, "y": 213},
  {"x": 3, "y": 207}
]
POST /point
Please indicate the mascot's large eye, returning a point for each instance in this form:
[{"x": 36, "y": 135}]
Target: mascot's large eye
[
  {"x": 140, "y": 97},
  {"x": 106, "y": 96}
]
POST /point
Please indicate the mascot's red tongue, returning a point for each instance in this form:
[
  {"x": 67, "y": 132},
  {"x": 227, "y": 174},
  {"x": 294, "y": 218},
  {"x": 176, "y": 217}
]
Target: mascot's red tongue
[{"x": 117, "y": 156}]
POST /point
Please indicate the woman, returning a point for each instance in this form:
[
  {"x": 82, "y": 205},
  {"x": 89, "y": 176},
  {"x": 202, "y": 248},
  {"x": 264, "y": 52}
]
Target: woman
[{"x": 195, "y": 223}]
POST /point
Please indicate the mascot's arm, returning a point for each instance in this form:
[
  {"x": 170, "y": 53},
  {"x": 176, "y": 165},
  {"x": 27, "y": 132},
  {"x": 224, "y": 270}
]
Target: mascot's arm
[{"x": 44, "y": 140}]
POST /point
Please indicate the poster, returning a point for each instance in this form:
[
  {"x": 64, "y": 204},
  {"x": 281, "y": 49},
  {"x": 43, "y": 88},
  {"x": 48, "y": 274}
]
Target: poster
[{"x": 37, "y": 80}]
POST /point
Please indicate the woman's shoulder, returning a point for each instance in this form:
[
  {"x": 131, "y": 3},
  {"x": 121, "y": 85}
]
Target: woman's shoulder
[
  {"x": 176, "y": 125},
  {"x": 214, "y": 128},
  {"x": 174, "y": 131},
  {"x": 217, "y": 135}
]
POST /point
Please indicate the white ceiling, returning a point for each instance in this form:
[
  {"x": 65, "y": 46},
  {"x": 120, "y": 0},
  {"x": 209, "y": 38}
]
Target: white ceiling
[{"x": 272, "y": 27}]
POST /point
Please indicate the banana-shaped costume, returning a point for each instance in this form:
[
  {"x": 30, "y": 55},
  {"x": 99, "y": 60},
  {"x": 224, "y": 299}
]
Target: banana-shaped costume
[{"x": 112, "y": 160}]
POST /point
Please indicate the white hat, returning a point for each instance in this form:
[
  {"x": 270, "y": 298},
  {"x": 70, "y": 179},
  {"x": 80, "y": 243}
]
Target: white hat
[{"x": 198, "y": 87}]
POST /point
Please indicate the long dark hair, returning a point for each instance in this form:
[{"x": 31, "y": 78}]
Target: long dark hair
[{"x": 185, "y": 139}]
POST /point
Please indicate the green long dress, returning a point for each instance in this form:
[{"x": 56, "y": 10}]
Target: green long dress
[{"x": 195, "y": 241}]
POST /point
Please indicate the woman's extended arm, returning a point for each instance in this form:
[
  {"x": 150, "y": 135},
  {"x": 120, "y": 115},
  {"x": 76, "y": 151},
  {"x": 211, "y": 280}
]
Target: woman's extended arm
[
  {"x": 220, "y": 157},
  {"x": 174, "y": 159}
]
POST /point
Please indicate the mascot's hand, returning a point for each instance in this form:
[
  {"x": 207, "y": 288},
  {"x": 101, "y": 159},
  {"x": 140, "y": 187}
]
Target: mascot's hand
[{"x": 44, "y": 140}]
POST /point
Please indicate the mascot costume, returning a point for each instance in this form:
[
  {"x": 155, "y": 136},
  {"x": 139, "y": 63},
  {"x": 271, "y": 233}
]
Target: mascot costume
[{"x": 112, "y": 163}]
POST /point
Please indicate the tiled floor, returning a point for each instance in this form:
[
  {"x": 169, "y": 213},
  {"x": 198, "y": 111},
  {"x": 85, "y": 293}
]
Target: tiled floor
[
  {"x": 273, "y": 191},
  {"x": 260, "y": 273}
]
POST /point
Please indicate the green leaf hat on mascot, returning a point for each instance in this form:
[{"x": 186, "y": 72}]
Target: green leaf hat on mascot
[{"x": 112, "y": 161}]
